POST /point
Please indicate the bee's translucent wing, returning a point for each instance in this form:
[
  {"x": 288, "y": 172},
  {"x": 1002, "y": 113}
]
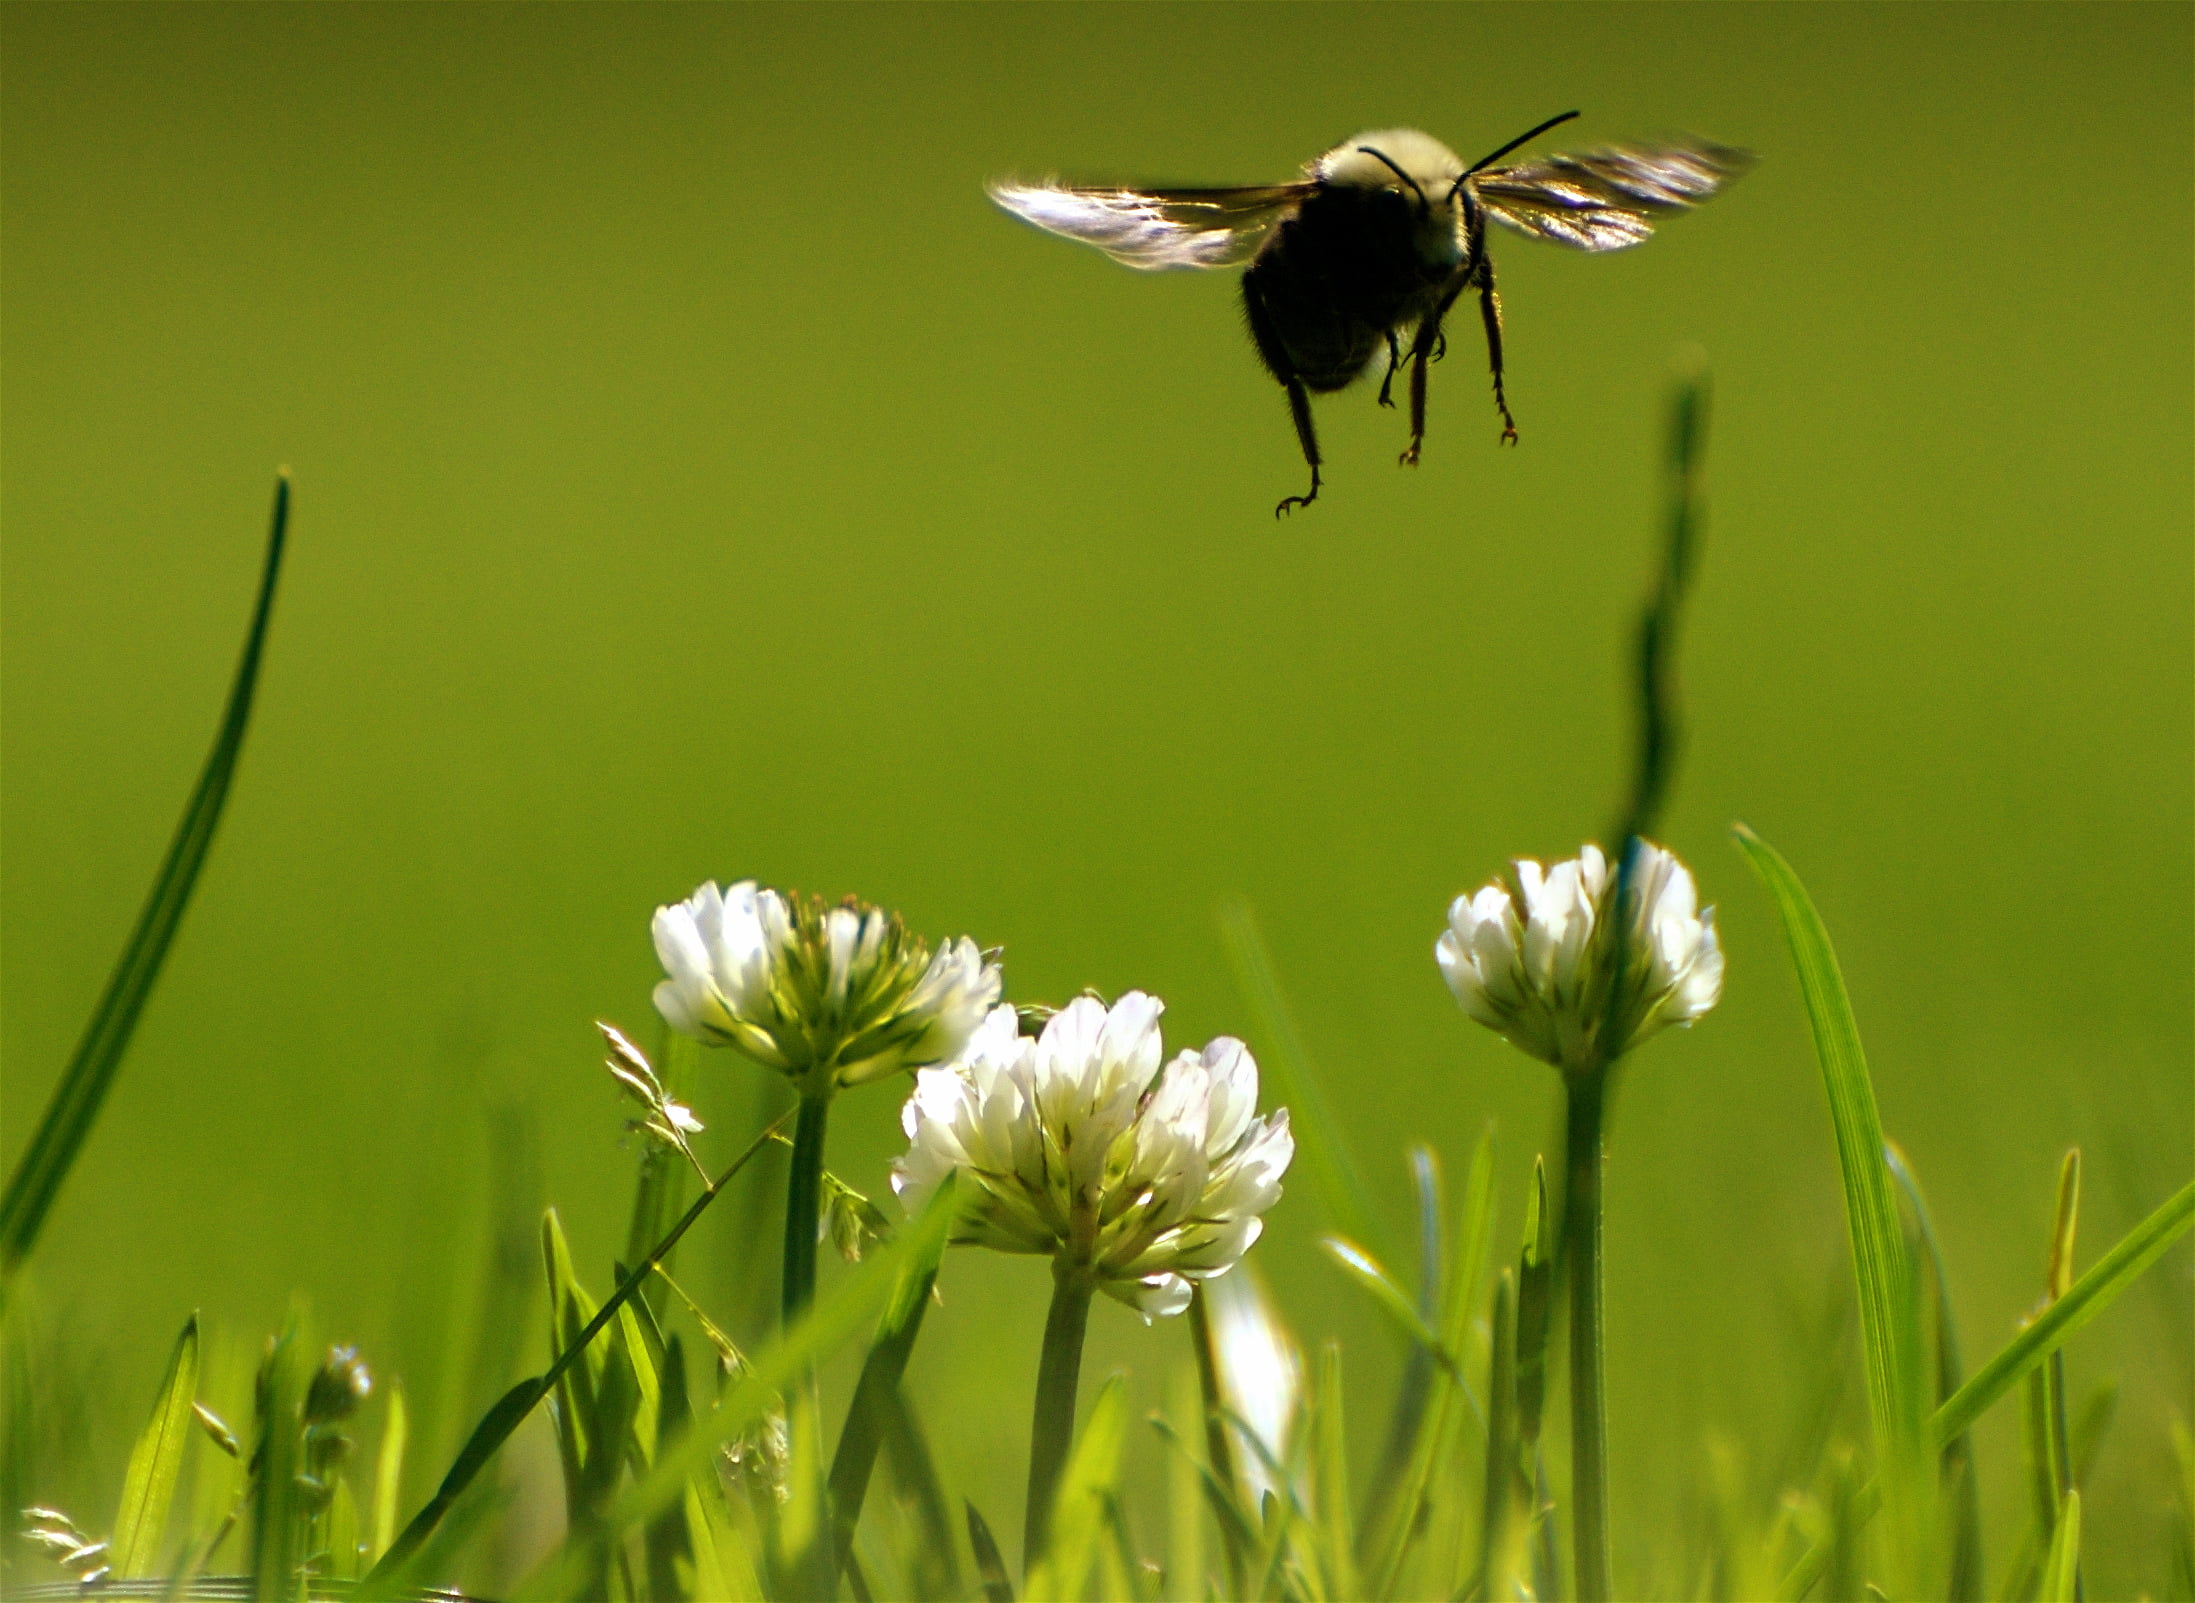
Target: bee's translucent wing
[
  {"x": 1156, "y": 228},
  {"x": 1605, "y": 199}
]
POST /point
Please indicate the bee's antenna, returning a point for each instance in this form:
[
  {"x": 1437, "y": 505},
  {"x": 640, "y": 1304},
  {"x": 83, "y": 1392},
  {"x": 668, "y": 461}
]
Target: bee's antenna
[
  {"x": 1388, "y": 162},
  {"x": 1522, "y": 139}
]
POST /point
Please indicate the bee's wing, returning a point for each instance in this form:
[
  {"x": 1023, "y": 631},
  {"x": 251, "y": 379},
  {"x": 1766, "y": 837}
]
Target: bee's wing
[
  {"x": 1155, "y": 228},
  {"x": 1605, "y": 199}
]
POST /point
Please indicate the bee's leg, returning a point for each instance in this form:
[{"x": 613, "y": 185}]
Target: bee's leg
[
  {"x": 1299, "y": 407},
  {"x": 1421, "y": 352},
  {"x": 1490, "y": 314},
  {"x": 1394, "y": 364}
]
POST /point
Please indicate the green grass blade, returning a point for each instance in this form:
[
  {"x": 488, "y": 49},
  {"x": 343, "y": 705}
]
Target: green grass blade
[
  {"x": 1287, "y": 1066},
  {"x": 671, "y": 1538},
  {"x": 936, "y": 1571},
  {"x": 1091, "y": 1482},
  {"x": 149, "y": 1486},
  {"x": 1330, "y": 1478},
  {"x": 1956, "y": 1469},
  {"x": 870, "y": 1414},
  {"x": 1500, "y": 1481},
  {"x": 1414, "y": 1411},
  {"x": 501, "y": 1321},
  {"x": 1474, "y": 1230},
  {"x": 388, "y": 1473},
  {"x": 76, "y": 1101},
  {"x": 494, "y": 1429},
  {"x": 1889, "y": 1307},
  {"x": 338, "y": 1555},
  {"x": 1438, "y": 1469},
  {"x": 578, "y": 1412},
  {"x": 998, "y": 1586},
  {"x": 2061, "y": 1571},
  {"x": 278, "y": 1548},
  {"x": 1386, "y": 1293},
  {"x": 1185, "y": 1578},
  {"x": 1235, "y": 1524},
  {"x": 2084, "y": 1300},
  {"x": 1535, "y": 1303}
]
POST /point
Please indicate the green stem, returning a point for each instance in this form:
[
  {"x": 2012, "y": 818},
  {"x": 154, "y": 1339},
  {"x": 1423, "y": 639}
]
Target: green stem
[
  {"x": 804, "y": 1199},
  {"x": 1588, "y": 1418},
  {"x": 1052, "y": 1431}
]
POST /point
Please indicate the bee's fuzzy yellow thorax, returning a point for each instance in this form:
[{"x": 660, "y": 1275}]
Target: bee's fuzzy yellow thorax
[{"x": 1431, "y": 165}]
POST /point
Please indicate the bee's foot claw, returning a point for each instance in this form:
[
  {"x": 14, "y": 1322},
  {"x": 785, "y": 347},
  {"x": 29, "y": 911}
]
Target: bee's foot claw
[
  {"x": 1509, "y": 435},
  {"x": 1409, "y": 457}
]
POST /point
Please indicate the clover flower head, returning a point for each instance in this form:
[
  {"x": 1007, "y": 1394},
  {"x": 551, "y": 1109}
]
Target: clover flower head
[
  {"x": 814, "y": 989},
  {"x": 1534, "y": 957},
  {"x": 1078, "y": 1145}
]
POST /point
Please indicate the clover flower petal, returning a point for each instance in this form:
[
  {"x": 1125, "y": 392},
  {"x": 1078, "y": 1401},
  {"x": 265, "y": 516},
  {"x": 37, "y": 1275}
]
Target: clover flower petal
[{"x": 1077, "y": 1144}]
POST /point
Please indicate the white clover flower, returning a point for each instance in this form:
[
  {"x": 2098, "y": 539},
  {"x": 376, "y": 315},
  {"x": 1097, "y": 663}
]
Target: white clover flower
[
  {"x": 1075, "y": 1144},
  {"x": 1546, "y": 981},
  {"x": 808, "y": 988}
]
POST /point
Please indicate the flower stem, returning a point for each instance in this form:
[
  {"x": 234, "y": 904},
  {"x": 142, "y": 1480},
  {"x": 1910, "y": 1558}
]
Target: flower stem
[
  {"x": 1052, "y": 1431},
  {"x": 804, "y": 1200},
  {"x": 1588, "y": 1418}
]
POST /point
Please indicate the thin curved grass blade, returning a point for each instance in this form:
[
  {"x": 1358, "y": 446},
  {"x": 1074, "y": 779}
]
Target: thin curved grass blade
[
  {"x": 1234, "y": 1522},
  {"x": 870, "y": 1414},
  {"x": 1387, "y": 1294},
  {"x": 2084, "y": 1300},
  {"x": 1337, "y": 1537},
  {"x": 998, "y": 1586},
  {"x": 1955, "y": 1465},
  {"x": 1889, "y": 1305},
  {"x": 1287, "y": 1064},
  {"x": 74, "y": 1107},
  {"x": 388, "y": 1473}
]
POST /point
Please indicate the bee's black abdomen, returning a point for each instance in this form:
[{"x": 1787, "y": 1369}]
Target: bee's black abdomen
[{"x": 1332, "y": 281}]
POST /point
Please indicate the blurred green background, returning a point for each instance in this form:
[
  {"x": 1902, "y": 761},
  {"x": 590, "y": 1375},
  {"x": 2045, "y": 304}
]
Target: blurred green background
[{"x": 696, "y": 477}]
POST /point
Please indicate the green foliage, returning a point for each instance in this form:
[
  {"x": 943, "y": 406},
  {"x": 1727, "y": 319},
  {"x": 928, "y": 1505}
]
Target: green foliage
[{"x": 676, "y": 1491}]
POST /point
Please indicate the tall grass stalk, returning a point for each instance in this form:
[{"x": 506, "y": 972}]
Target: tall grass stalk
[
  {"x": 1587, "y": 1084},
  {"x": 82, "y": 1092}
]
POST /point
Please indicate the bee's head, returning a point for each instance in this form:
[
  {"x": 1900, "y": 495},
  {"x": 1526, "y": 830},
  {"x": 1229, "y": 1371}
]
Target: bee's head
[{"x": 1417, "y": 165}]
